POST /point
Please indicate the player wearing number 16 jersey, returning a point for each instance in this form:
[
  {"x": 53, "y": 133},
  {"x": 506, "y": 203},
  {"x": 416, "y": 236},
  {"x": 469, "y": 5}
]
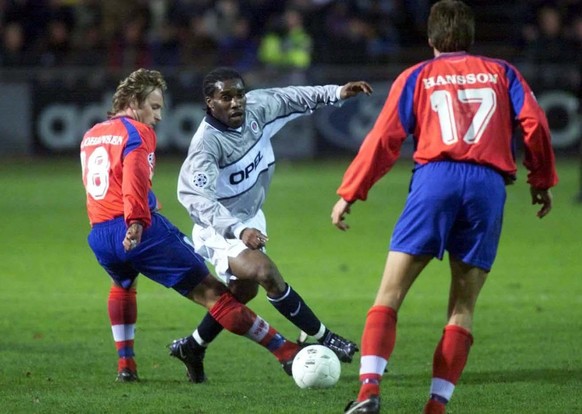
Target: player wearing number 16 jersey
[{"x": 460, "y": 110}]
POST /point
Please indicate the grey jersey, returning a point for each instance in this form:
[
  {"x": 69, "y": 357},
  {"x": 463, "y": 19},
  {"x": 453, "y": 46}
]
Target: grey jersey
[{"x": 226, "y": 175}]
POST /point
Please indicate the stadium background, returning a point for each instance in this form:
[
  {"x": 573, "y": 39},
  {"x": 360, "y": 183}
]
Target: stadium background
[
  {"x": 56, "y": 352},
  {"x": 60, "y": 61}
]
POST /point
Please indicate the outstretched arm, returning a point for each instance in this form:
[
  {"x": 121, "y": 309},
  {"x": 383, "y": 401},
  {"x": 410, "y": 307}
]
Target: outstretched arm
[{"x": 354, "y": 88}]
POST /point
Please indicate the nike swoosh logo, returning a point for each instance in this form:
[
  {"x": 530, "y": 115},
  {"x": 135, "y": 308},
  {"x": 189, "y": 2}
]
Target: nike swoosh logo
[
  {"x": 296, "y": 310},
  {"x": 230, "y": 155}
]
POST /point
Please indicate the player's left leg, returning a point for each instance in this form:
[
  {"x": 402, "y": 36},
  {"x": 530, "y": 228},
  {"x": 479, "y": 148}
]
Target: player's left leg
[
  {"x": 378, "y": 339},
  {"x": 452, "y": 351}
]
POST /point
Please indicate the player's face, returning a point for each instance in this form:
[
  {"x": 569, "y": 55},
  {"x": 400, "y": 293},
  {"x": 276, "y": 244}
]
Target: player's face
[
  {"x": 228, "y": 102},
  {"x": 150, "y": 111}
]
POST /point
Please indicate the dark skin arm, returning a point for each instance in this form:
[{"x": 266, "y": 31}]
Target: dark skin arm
[
  {"x": 543, "y": 197},
  {"x": 354, "y": 88}
]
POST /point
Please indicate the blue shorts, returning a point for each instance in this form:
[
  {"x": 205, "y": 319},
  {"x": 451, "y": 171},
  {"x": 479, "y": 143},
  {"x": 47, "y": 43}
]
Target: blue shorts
[
  {"x": 452, "y": 206},
  {"x": 165, "y": 255}
]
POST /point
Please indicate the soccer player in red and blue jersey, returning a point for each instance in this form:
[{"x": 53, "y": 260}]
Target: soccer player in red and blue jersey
[
  {"x": 461, "y": 111},
  {"x": 129, "y": 236}
]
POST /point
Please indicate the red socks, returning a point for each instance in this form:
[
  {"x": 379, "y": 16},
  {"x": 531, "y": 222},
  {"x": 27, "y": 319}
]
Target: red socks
[
  {"x": 450, "y": 358},
  {"x": 377, "y": 345},
  {"x": 379, "y": 332},
  {"x": 434, "y": 407},
  {"x": 450, "y": 355},
  {"x": 122, "y": 308},
  {"x": 233, "y": 315},
  {"x": 240, "y": 320}
]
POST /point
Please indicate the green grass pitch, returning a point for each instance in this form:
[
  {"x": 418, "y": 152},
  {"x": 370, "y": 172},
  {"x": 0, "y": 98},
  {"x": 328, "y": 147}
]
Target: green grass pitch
[{"x": 57, "y": 354}]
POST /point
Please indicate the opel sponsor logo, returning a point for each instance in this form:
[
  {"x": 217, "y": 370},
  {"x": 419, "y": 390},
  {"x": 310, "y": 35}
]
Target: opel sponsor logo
[{"x": 241, "y": 175}]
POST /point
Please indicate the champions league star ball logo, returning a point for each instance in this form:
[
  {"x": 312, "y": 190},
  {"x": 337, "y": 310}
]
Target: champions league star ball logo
[{"x": 200, "y": 179}]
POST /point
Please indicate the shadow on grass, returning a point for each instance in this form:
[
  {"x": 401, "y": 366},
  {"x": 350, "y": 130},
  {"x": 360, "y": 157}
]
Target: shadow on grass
[
  {"x": 549, "y": 376},
  {"x": 546, "y": 376}
]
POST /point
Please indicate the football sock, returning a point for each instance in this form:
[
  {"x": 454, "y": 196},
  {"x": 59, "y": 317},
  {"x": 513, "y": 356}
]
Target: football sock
[
  {"x": 292, "y": 307},
  {"x": 207, "y": 330},
  {"x": 450, "y": 358},
  {"x": 322, "y": 333},
  {"x": 122, "y": 308},
  {"x": 129, "y": 363},
  {"x": 241, "y": 320},
  {"x": 434, "y": 407},
  {"x": 377, "y": 345}
]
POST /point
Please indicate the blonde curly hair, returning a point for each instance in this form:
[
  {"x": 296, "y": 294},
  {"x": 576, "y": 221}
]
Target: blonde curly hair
[{"x": 136, "y": 87}]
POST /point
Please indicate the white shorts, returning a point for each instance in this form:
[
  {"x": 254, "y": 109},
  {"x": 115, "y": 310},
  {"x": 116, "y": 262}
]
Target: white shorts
[{"x": 216, "y": 249}]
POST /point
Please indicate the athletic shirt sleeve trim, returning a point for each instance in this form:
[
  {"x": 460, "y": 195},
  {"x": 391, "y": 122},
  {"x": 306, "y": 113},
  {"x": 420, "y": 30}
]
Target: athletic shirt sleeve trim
[
  {"x": 406, "y": 102},
  {"x": 134, "y": 138},
  {"x": 516, "y": 91}
]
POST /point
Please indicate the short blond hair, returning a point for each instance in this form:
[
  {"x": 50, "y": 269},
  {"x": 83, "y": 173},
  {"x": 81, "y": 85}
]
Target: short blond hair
[{"x": 137, "y": 86}]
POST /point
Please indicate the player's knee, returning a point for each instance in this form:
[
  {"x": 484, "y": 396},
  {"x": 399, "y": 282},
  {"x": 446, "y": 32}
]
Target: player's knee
[
  {"x": 267, "y": 275},
  {"x": 207, "y": 292},
  {"x": 244, "y": 293}
]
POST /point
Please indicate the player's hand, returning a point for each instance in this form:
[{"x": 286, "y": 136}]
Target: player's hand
[
  {"x": 543, "y": 197},
  {"x": 354, "y": 88},
  {"x": 253, "y": 238},
  {"x": 133, "y": 236},
  {"x": 338, "y": 213}
]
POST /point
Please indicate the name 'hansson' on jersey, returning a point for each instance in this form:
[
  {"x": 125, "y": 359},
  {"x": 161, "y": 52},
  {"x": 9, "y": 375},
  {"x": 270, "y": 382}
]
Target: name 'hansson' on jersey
[{"x": 468, "y": 79}]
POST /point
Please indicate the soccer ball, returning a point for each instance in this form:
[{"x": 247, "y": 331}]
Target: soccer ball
[{"x": 316, "y": 366}]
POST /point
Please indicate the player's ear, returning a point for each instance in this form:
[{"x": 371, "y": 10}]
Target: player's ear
[{"x": 209, "y": 103}]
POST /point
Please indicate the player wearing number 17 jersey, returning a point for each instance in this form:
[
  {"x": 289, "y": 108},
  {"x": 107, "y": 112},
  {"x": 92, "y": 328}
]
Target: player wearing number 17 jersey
[{"x": 460, "y": 110}]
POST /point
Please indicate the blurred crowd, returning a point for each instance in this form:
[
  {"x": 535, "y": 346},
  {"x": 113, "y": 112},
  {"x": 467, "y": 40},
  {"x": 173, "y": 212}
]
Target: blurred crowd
[
  {"x": 246, "y": 34},
  {"x": 551, "y": 31},
  {"x": 203, "y": 33}
]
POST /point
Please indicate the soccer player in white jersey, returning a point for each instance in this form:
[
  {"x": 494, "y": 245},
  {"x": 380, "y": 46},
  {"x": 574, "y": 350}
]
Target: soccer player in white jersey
[{"x": 223, "y": 184}]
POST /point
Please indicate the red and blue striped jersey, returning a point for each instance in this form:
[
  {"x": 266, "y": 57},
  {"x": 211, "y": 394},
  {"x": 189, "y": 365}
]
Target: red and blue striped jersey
[
  {"x": 118, "y": 160},
  {"x": 457, "y": 107}
]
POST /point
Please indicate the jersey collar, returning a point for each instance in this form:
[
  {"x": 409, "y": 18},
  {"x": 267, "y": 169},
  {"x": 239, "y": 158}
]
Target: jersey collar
[
  {"x": 451, "y": 54},
  {"x": 219, "y": 125}
]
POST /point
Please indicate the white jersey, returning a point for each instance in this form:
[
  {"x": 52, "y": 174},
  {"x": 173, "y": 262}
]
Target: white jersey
[{"x": 227, "y": 173}]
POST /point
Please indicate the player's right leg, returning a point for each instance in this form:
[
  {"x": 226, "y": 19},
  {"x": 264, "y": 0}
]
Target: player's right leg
[
  {"x": 452, "y": 351},
  {"x": 472, "y": 246},
  {"x": 105, "y": 241},
  {"x": 122, "y": 310}
]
